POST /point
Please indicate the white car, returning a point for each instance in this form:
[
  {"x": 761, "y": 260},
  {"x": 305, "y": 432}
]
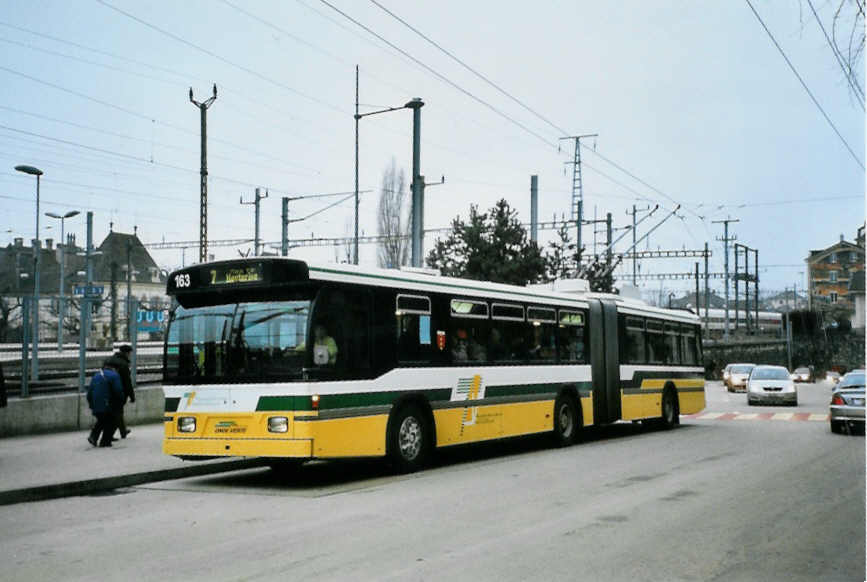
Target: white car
[{"x": 772, "y": 384}]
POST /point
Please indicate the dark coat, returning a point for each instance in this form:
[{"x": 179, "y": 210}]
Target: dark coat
[
  {"x": 2, "y": 387},
  {"x": 105, "y": 393},
  {"x": 120, "y": 362}
]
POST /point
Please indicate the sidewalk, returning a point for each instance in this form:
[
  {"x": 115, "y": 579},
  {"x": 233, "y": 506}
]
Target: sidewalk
[{"x": 48, "y": 466}]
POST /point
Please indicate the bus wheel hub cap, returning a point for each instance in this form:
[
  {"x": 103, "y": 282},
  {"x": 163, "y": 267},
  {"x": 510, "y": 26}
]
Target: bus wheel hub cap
[{"x": 409, "y": 438}]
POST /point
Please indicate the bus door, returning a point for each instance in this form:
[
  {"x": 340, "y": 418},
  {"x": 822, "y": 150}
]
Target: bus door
[{"x": 604, "y": 361}]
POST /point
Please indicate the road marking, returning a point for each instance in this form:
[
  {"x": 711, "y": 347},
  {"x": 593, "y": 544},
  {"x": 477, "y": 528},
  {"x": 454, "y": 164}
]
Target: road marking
[{"x": 785, "y": 416}]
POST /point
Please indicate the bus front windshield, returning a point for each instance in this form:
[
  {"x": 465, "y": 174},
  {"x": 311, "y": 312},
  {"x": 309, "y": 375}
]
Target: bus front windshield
[{"x": 245, "y": 342}]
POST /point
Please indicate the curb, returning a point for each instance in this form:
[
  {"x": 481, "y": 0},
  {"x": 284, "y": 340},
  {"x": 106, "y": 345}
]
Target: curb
[{"x": 76, "y": 488}]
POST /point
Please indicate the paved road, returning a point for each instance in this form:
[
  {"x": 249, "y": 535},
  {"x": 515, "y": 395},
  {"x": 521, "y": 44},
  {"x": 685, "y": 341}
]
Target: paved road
[{"x": 712, "y": 500}]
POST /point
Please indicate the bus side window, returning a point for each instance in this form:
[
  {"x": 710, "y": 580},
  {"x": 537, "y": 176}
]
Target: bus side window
[
  {"x": 571, "y": 337},
  {"x": 468, "y": 331},
  {"x": 657, "y": 352},
  {"x": 543, "y": 332},
  {"x": 414, "y": 340},
  {"x": 672, "y": 342},
  {"x": 633, "y": 352}
]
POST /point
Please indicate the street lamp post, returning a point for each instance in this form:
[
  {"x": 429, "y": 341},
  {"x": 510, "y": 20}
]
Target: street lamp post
[
  {"x": 62, "y": 304},
  {"x": 34, "y": 370}
]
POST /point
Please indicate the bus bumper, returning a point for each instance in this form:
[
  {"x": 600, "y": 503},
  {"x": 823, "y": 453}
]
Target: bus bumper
[{"x": 187, "y": 447}]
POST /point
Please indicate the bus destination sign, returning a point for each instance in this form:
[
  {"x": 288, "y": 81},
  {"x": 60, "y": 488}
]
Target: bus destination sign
[{"x": 227, "y": 275}]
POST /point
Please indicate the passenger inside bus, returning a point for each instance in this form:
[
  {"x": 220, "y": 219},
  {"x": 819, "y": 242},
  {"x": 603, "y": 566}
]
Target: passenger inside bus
[
  {"x": 324, "y": 347},
  {"x": 496, "y": 350},
  {"x": 460, "y": 348}
]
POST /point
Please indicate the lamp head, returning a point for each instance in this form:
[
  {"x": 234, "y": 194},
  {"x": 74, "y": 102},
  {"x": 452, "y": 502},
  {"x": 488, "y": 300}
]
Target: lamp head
[{"x": 33, "y": 171}]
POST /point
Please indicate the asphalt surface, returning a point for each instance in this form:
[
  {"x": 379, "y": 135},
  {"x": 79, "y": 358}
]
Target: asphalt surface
[{"x": 721, "y": 499}]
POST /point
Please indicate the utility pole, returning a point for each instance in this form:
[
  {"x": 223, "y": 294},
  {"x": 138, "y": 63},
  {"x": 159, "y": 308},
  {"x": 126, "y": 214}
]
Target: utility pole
[
  {"x": 357, "y": 117},
  {"x": 534, "y": 208},
  {"x": 608, "y": 244},
  {"x": 203, "y": 192},
  {"x": 255, "y": 202},
  {"x": 577, "y": 188},
  {"x": 706, "y": 291},
  {"x": 725, "y": 241},
  {"x": 284, "y": 220},
  {"x": 737, "y": 288},
  {"x": 417, "y": 184},
  {"x": 129, "y": 319},
  {"x": 697, "y": 302},
  {"x": 756, "y": 253},
  {"x": 634, "y": 212}
]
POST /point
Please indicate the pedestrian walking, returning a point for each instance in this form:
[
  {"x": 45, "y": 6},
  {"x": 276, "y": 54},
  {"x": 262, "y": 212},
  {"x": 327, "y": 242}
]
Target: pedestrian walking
[
  {"x": 2, "y": 387},
  {"x": 105, "y": 396},
  {"x": 120, "y": 362}
]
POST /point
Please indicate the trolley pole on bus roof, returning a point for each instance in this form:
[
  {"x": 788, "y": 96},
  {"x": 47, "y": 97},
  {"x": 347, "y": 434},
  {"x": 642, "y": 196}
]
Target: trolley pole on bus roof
[{"x": 203, "y": 173}]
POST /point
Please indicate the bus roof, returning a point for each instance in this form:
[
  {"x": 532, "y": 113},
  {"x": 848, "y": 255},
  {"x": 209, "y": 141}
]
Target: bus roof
[{"x": 423, "y": 282}]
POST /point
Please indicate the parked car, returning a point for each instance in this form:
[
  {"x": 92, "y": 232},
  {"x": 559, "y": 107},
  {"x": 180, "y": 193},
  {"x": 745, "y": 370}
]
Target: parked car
[
  {"x": 847, "y": 403},
  {"x": 771, "y": 384},
  {"x": 803, "y": 374},
  {"x": 832, "y": 376},
  {"x": 738, "y": 375}
]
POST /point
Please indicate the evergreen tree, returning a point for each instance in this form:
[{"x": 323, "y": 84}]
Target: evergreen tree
[{"x": 490, "y": 246}]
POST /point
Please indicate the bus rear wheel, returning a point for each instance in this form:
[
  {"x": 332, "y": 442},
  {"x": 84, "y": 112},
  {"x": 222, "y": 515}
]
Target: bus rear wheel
[
  {"x": 409, "y": 439},
  {"x": 567, "y": 421},
  {"x": 670, "y": 409}
]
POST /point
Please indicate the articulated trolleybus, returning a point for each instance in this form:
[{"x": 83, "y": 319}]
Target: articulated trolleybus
[{"x": 278, "y": 358}]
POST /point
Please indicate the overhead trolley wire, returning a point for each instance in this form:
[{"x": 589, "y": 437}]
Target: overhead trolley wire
[
  {"x": 440, "y": 76},
  {"x": 806, "y": 88},
  {"x": 224, "y": 59}
]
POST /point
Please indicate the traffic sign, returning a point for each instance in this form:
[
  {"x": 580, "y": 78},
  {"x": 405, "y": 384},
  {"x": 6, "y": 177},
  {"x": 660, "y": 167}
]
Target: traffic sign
[{"x": 89, "y": 290}]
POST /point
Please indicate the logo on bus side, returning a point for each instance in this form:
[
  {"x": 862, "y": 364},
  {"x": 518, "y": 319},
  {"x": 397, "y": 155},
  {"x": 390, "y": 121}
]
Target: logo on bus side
[{"x": 469, "y": 389}]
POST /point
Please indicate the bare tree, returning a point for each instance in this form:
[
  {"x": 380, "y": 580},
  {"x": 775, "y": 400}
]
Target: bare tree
[
  {"x": 845, "y": 39},
  {"x": 393, "y": 218}
]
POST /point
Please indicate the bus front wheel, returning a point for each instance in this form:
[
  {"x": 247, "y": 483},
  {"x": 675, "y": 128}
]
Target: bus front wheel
[{"x": 409, "y": 439}]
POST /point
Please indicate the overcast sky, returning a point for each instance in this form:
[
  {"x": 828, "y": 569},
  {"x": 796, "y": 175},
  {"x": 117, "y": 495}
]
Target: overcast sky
[{"x": 691, "y": 98}]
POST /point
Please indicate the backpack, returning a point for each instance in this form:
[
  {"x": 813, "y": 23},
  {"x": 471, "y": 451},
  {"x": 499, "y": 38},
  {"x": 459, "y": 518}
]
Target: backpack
[{"x": 93, "y": 382}]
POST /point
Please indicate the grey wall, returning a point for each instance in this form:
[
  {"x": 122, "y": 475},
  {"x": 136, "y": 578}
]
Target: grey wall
[{"x": 56, "y": 413}]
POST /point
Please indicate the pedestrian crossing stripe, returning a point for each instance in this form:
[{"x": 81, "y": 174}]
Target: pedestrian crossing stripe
[{"x": 791, "y": 416}]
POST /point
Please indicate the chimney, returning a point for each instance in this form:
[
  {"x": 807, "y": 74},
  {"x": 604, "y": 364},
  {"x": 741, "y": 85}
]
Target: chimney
[
  {"x": 36, "y": 243},
  {"x": 49, "y": 243},
  {"x": 70, "y": 240},
  {"x": 841, "y": 237},
  {"x": 19, "y": 242}
]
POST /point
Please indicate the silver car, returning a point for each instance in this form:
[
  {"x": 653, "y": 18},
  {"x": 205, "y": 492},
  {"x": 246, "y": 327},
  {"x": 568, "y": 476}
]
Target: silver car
[
  {"x": 772, "y": 384},
  {"x": 737, "y": 376},
  {"x": 847, "y": 403}
]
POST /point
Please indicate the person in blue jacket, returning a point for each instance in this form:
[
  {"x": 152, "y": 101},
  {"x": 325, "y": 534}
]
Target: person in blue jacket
[{"x": 105, "y": 397}]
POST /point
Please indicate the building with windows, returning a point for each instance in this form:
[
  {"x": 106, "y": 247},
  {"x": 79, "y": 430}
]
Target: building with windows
[
  {"x": 831, "y": 270},
  {"x": 121, "y": 262}
]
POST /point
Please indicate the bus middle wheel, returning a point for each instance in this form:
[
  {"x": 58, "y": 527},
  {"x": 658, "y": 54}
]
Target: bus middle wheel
[{"x": 409, "y": 439}]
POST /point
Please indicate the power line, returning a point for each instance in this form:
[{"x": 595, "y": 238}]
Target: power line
[
  {"x": 470, "y": 69},
  {"x": 223, "y": 59},
  {"x": 804, "y": 85},
  {"x": 438, "y": 75}
]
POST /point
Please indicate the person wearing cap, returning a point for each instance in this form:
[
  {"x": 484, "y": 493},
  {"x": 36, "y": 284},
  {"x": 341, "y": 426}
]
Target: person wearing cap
[{"x": 120, "y": 362}]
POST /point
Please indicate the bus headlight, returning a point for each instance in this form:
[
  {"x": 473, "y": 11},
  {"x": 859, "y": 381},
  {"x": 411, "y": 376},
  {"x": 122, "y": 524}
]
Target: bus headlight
[
  {"x": 278, "y": 424},
  {"x": 187, "y": 424}
]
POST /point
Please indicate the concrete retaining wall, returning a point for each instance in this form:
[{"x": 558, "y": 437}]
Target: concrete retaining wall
[{"x": 62, "y": 412}]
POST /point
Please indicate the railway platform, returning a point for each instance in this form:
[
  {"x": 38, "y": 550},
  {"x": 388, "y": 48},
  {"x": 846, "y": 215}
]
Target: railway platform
[{"x": 64, "y": 464}]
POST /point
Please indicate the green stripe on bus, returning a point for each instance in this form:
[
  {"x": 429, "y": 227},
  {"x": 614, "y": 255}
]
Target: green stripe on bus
[
  {"x": 638, "y": 377},
  {"x": 359, "y": 399}
]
